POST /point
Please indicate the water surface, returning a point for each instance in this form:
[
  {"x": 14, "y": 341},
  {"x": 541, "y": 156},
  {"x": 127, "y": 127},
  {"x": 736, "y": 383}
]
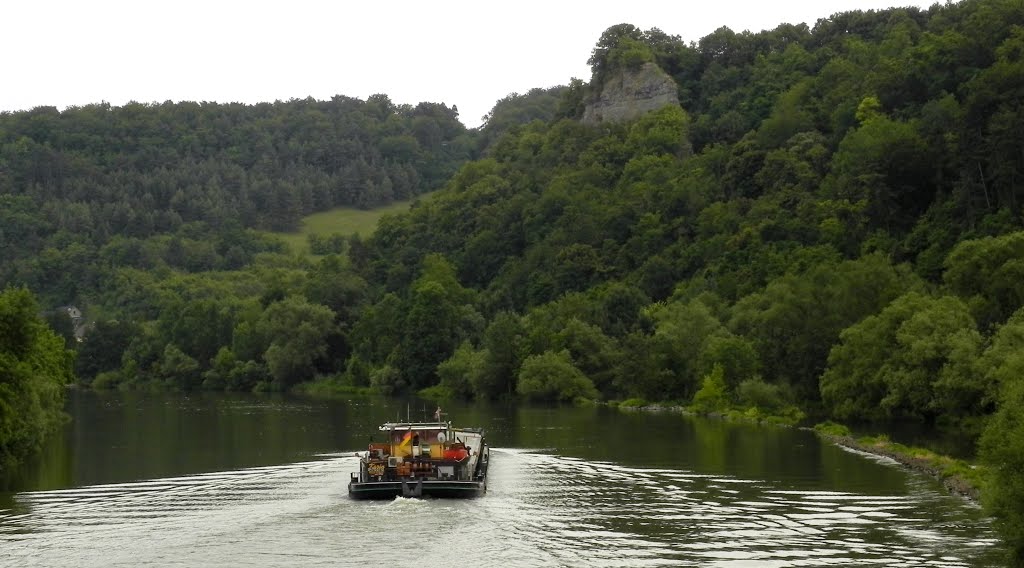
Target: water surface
[{"x": 215, "y": 480}]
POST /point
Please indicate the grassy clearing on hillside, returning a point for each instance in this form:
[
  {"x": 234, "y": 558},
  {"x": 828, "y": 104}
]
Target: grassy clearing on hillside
[{"x": 342, "y": 220}]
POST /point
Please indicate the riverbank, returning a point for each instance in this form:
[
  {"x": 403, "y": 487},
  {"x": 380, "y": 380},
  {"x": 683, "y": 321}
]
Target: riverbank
[{"x": 957, "y": 476}]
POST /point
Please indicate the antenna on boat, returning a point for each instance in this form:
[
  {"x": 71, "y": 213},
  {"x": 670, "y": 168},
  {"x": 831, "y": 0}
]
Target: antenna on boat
[{"x": 407, "y": 419}]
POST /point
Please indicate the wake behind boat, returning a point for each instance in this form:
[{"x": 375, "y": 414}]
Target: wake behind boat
[{"x": 423, "y": 459}]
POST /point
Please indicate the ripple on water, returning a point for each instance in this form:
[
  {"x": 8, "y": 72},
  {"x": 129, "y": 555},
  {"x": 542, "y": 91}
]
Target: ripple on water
[{"x": 540, "y": 510}]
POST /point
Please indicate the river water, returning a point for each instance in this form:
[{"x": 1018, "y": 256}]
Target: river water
[{"x": 219, "y": 480}]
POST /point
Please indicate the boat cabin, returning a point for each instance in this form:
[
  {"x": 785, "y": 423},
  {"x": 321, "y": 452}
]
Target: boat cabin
[{"x": 420, "y": 441}]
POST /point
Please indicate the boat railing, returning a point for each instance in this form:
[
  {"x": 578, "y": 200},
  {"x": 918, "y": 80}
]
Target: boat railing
[{"x": 387, "y": 426}]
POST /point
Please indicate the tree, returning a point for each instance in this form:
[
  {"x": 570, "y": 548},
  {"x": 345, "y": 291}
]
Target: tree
[
  {"x": 1002, "y": 451},
  {"x": 334, "y": 284},
  {"x": 295, "y": 333},
  {"x": 34, "y": 368},
  {"x": 601, "y": 59},
  {"x": 664, "y": 131},
  {"x": 60, "y": 323},
  {"x": 1003, "y": 357},
  {"x": 430, "y": 334},
  {"x": 682, "y": 329},
  {"x": 460, "y": 373},
  {"x": 736, "y": 357},
  {"x": 756, "y": 393},
  {"x": 914, "y": 359},
  {"x": 502, "y": 357},
  {"x": 434, "y": 323},
  {"x": 552, "y": 376},
  {"x": 178, "y": 370},
  {"x": 199, "y": 327},
  {"x": 713, "y": 394},
  {"x": 887, "y": 165},
  {"x": 988, "y": 273},
  {"x": 797, "y": 318}
]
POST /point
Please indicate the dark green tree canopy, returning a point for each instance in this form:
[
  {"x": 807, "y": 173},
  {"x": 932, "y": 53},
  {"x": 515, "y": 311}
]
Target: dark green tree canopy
[{"x": 34, "y": 369}]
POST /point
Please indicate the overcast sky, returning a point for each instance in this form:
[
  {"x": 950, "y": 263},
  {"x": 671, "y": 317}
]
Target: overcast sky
[{"x": 464, "y": 53}]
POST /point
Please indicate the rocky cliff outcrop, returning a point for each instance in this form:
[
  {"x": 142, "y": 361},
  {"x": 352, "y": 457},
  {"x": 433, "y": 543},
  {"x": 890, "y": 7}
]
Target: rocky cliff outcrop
[{"x": 628, "y": 93}]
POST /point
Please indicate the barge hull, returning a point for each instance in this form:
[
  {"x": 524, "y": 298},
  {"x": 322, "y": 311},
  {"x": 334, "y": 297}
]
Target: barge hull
[{"x": 416, "y": 488}]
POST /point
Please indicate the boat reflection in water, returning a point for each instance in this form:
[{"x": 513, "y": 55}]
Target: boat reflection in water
[{"x": 423, "y": 459}]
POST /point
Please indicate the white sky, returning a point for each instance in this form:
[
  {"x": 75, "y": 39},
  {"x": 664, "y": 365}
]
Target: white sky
[{"x": 467, "y": 53}]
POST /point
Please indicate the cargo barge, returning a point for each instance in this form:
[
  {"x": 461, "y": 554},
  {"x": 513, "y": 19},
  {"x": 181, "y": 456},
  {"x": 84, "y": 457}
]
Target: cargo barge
[{"x": 423, "y": 459}]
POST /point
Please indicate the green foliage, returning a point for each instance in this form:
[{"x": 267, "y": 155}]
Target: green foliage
[
  {"x": 713, "y": 395},
  {"x": 515, "y": 110},
  {"x": 438, "y": 317},
  {"x": 1003, "y": 361},
  {"x": 388, "y": 380},
  {"x": 331, "y": 244},
  {"x": 608, "y": 54},
  {"x": 107, "y": 380},
  {"x": 914, "y": 359},
  {"x": 503, "y": 353},
  {"x": 461, "y": 374},
  {"x": 988, "y": 273},
  {"x": 177, "y": 369},
  {"x": 798, "y": 318},
  {"x": 629, "y": 54},
  {"x": 869, "y": 109},
  {"x": 789, "y": 416},
  {"x": 736, "y": 356},
  {"x": 1002, "y": 450},
  {"x": 102, "y": 348},
  {"x": 755, "y": 392},
  {"x": 664, "y": 131},
  {"x": 295, "y": 332},
  {"x": 552, "y": 376},
  {"x": 830, "y": 428},
  {"x": 34, "y": 369},
  {"x": 633, "y": 403},
  {"x": 886, "y": 165},
  {"x": 437, "y": 392},
  {"x": 216, "y": 378},
  {"x": 682, "y": 332},
  {"x": 60, "y": 323}
]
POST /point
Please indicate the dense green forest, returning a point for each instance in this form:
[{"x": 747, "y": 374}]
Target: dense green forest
[
  {"x": 829, "y": 221},
  {"x": 35, "y": 367},
  {"x": 90, "y": 190}
]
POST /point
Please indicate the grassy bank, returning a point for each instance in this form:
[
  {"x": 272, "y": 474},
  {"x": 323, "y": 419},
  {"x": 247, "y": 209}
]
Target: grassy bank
[
  {"x": 958, "y": 476},
  {"x": 786, "y": 416}
]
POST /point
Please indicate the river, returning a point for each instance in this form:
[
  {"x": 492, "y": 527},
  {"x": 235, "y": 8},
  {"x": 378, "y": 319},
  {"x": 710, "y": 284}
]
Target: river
[{"x": 242, "y": 480}]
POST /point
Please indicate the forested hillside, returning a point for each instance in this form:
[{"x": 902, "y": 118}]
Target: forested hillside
[
  {"x": 178, "y": 184},
  {"x": 830, "y": 220},
  {"x": 819, "y": 190}
]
